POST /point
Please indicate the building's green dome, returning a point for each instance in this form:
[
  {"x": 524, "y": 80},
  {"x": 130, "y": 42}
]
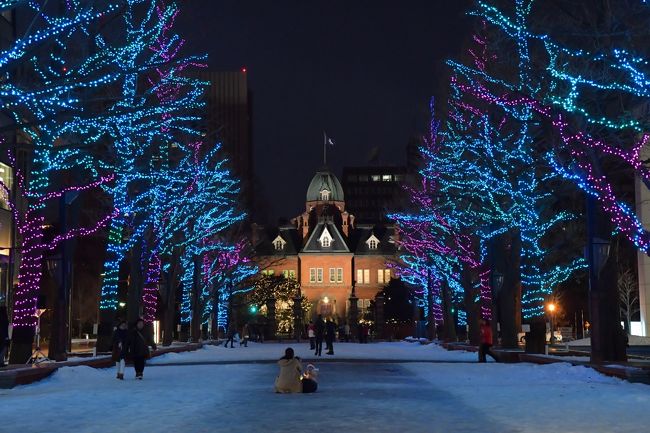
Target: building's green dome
[{"x": 325, "y": 180}]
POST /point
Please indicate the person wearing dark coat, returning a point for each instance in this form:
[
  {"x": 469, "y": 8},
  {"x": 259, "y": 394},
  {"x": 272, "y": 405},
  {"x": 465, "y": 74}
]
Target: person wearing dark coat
[
  {"x": 140, "y": 340},
  {"x": 120, "y": 347},
  {"x": 320, "y": 331},
  {"x": 330, "y": 336},
  {"x": 4, "y": 334},
  {"x": 230, "y": 336}
]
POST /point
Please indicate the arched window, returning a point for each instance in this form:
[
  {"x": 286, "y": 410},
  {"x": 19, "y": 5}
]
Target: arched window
[
  {"x": 372, "y": 244},
  {"x": 326, "y": 242},
  {"x": 325, "y": 195}
]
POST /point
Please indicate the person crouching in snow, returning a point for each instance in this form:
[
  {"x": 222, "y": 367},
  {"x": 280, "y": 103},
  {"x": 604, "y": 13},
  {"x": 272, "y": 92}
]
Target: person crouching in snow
[
  {"x": 310, "y": 379},
  {"x": 120, "y": 347},
  {"x": 288, "y": 380},
  {"x": 140, "y": 340},
  {"x": 486, "y": 342}
]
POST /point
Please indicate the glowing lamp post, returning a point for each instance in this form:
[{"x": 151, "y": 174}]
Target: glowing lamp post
[{"x": 551, "y": 309}]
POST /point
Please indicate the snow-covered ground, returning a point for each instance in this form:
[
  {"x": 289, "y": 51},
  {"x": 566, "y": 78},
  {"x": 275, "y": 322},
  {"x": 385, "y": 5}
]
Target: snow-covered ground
[
  {"x": 633, "y": 340},
  {"x": 398, "y": 351},
  {"x": 353, "y": 397}
]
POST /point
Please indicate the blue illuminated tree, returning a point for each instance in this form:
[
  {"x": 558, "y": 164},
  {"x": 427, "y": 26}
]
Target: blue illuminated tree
[
  {"x": 152, "y": 120},
  {"x": 591, "y": 94},
  {"x": 53, "y": 74}
]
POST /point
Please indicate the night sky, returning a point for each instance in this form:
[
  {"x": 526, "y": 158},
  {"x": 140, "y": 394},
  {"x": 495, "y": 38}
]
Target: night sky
[{"x": 361, "y": 70}]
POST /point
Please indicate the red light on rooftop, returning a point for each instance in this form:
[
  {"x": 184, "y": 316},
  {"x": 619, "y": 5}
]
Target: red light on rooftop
[{"x": 243, "y": 70}]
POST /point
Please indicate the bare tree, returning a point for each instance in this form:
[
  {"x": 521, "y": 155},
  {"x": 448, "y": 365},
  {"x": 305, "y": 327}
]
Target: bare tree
[{"x": 628, "y": 295}]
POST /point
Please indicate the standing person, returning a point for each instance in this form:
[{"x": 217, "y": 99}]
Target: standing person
[
  {"x": 139, "y": 342},
  {"x": 230, "y": 336},
  {"x": 4, "y": 334},
  {"x": 288, "y": 380},
  {"x": 330, "y": 336},
  {"x": 320, "y": 331},
  {"x": 348, "y": 333},
  {"x": 244, "y": 335},
  {"x": 311, "y": 333},
  {"x": 361, "y": 329},
  {"x": 120, "y": 347},
  {"x": 486, "y": 342}
]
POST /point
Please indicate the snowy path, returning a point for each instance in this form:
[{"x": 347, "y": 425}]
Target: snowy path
[
  {"x": 353, "y": 397},
  {"x": 398, "y": 351}
]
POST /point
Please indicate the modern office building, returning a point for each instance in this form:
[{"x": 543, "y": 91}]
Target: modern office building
[
  {"x": 373, "y": 192},
  {"x": 228, "y": 120}
]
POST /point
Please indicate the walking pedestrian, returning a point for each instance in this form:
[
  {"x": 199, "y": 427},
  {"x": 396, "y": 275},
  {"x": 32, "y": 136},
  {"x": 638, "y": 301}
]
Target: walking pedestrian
[
  {"x": 139, "y": 342},
  {"x": 120, "y": 347},
  {"x": 4, "y": 334},
  {"x": 320, "y": 331},
  {"x": 230, "y": 336},
  {"x": 330, "y": 336},
  {"x": 311, "y": 333},
  {"x": 244, "y": 335},
  {"x": 486, "y": 342},
  {"x": 348, "y": 333}
]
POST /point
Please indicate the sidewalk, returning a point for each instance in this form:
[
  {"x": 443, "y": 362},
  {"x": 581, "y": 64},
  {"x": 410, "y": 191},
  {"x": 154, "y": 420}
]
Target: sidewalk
[{"x": 18, "y": 374}]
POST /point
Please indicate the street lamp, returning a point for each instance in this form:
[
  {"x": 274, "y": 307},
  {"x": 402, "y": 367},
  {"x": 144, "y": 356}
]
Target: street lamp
[{"x": 551, "y": 308}]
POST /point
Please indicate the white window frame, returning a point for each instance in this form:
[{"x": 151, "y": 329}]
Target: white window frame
[
  {"x": 319, "y": 275},
  {"x": 359, "y": 276},
  {"x": 380, "y": 276},
  {"x": 325, "y": 195},
  {"x": 387, "y": 276},
  {"x": 366, "y": 276},
  {"x": 312, "y": 275},
  {"x": 339, "y": 275},
  {"x": 332, "y": 275}
]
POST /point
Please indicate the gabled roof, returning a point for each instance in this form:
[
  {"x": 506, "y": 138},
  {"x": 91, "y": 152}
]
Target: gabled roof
[
  {"x": 338, "y": 241},
  {"x": 384, "y": 234},
  {"x": 288, "y": 234}
]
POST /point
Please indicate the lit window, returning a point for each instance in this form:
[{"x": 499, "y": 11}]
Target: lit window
[
  {"x": 375, "y": 178},
  {"x": 359, "y": 276},
  {"x": 380, "y": 276},
  {"x": 386, "y": 177},
  {"x": 268, "y": 272},
  {"x": 366, "y": 276},
  {"x": 372, "y": 244},
  {"x": 312, "y": 275},
  {"x": 278, "y": 245},
  {"x": 387, "y": 275},
  {"x": 326, "y": 242},
  {"x": 6, "y": 175},
  {"x": 292, "y": 274}
]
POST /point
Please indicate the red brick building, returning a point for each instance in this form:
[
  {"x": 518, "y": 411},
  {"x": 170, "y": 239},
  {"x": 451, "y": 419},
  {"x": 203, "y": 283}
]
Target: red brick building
[{"x": 327, "y": 252}]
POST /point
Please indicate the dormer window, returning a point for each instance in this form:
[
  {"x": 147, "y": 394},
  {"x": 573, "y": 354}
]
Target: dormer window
[
  {"x": 372, "y": 242},
  {"x": 326, "y": 239},
  {"x": 279, "y": 243},
  {"x": 325, "y": 195}
]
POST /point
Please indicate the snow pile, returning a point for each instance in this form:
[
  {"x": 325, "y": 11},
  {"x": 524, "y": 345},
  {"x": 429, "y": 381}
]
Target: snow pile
[{"x": 634, "y": 340}]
